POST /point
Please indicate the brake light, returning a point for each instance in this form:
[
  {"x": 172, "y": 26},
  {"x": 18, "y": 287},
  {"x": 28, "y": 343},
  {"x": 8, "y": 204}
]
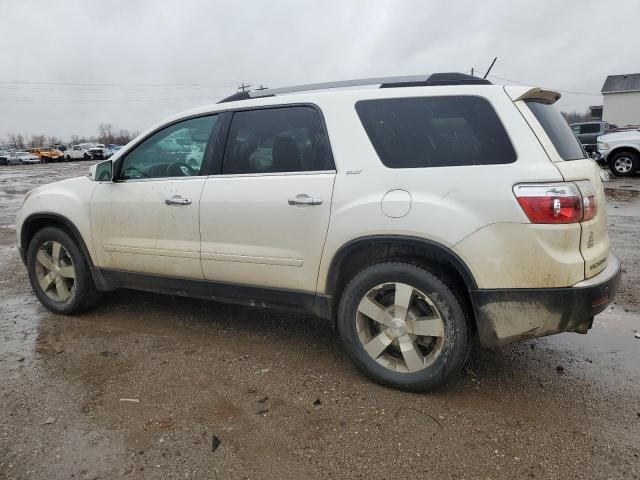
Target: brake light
[{"x": 550, "y": 203}]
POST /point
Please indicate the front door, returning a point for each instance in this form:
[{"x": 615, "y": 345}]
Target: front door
[
  {"x": 264, "y": 220},
  {"x": 147, "y": 221}
]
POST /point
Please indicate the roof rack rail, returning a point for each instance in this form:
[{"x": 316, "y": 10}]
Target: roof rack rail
[{"x": 429, "y": 80}]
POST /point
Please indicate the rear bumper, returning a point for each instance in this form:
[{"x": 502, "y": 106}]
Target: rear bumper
[{"x": 509, "y": 315}]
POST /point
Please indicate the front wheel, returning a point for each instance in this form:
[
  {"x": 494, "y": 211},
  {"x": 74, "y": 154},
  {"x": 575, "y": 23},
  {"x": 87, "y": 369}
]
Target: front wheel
[
  {"x": 403, "y": 327},
  {"x": 624, "y": 164},
  {"x": 59, "y": 273}
]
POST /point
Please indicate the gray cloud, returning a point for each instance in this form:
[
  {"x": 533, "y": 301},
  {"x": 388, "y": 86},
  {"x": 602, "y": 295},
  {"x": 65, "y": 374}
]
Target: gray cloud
[{"x": 134, "y": 62}]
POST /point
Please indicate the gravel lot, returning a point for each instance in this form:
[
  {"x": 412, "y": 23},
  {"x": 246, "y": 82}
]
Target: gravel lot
[{"x": 280, "y": 395}]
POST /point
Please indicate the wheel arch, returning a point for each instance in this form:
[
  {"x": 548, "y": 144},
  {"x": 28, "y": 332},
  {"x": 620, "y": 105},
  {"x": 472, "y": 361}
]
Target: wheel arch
[
  {"x": 37, "y": 221},
  {"x": 623, "y": 148},
  {"x": 359, "y": 253}
]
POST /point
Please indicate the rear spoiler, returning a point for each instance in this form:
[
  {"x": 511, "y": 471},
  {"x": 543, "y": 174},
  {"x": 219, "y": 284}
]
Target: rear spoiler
[{"x": 531, "y": 93}]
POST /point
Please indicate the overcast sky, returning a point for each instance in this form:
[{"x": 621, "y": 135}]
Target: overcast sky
[{"x": 66, "y": 66}]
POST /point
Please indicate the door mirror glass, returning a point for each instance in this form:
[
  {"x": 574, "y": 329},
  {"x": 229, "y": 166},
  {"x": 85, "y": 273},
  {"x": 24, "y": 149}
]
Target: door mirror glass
[{"x": 101, "y": 172}]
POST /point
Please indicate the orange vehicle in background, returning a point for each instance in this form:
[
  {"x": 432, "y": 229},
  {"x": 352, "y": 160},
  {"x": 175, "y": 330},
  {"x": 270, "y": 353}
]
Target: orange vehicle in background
[{"x": 48, "y": 154}]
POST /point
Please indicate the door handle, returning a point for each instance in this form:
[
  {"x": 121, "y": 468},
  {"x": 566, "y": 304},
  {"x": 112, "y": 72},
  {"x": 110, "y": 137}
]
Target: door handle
[
  {"x": 304, "y": 199},
  {"x": 178, "y": 200}
]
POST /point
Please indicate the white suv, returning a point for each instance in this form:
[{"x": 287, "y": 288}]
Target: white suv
[{"x": 418, "y": 216}]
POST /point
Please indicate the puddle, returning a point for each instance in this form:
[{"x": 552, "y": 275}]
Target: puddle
[
  {"x": 611, "y": 341},
  {"x": 621, "y": 195}
]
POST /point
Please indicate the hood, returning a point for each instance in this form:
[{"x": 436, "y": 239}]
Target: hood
[{"x": 619, "y": 136}]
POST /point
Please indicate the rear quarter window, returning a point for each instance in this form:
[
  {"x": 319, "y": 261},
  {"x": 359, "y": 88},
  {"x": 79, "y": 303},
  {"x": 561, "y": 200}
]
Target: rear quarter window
[
  {"x": 557, "y": 129},
  {"x": 443, "y": 131}
]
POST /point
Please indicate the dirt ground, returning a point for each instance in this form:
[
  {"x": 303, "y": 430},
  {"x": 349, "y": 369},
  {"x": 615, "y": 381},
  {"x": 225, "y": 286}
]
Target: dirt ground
[{"x": 139, "y": 387}]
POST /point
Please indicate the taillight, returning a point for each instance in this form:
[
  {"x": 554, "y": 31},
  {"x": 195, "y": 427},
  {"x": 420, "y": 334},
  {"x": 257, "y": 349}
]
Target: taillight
[
  {"x": 589, "y": 204},
  {"x": 557, "y": 202}
]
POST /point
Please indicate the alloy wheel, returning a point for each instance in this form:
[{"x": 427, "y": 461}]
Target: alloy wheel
[
  {"x": 623, "y": 164},
  {"x": 55, "y": 271},
  {"x": 400, "y": 327}
]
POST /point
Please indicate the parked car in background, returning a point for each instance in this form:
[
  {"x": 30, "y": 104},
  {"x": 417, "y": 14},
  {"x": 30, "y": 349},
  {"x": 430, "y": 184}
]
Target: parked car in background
[
  {"x": 4, "y": 155},
  {"x": 386, "y": 227},
  {"x": 588, "y": 132},
  {"x": 99, "y": 152},
  {"x": 47, "y": 154},
  {"x": 9, "y": 157},
  {"x": 78, "y": 152},
  {"x": 114, "y": 148},
  {"x": 28, "y": 157},
  {"x": 620, "y": 151}
]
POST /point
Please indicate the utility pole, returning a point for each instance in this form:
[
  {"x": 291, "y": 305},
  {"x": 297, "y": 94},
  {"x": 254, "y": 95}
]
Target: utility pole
[
  {"x": 472, "y": 71},
  {"x": 244, "y": 88}
]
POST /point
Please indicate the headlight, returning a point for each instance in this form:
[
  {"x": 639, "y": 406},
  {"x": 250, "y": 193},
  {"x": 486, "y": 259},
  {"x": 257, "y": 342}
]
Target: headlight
[{"x": 603, "y": 146}]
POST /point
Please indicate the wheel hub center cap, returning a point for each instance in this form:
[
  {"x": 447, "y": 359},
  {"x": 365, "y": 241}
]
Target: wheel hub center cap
[{"x": 398, "y": 327}]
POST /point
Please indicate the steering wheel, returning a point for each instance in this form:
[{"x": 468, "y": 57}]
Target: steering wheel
[{"x": 180, "y": 169}]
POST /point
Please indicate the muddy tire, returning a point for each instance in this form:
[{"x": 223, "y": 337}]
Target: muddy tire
[
  {"x": 624, "y": 164},
  {"x": 59, "y": 273},
  {"x": 403, "y": 327}
]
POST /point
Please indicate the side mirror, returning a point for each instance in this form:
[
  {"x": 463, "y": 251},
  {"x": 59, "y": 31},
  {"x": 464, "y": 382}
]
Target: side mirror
[{"x": 101, "y": 172}]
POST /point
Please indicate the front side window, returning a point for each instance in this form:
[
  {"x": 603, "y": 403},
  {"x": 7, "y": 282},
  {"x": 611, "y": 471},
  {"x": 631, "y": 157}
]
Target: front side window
[
  {"x": 557, "y": 129},
  {"x": 435, "y": 131},
  {"x": 275, "y": 140},
  {"x": 175, "y": 151}
]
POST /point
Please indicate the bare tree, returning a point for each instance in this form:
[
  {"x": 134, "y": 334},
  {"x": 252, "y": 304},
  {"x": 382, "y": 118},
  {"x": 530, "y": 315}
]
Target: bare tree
[
  {"x": 37, "y": 141},
  {"x": 105, "y": 133},
  {"x": 573, "y": 117},
  {"x": 16, "y": 141}
]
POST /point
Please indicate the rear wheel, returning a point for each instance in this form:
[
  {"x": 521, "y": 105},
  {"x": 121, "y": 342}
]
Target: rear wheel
[
  {"x": 624, "y": 164},
  {"x": 59, "y": 273},
  {"x": 403, "y": 327}
]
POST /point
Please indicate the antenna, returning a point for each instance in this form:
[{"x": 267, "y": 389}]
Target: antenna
[{"x": 490, "y": 67}]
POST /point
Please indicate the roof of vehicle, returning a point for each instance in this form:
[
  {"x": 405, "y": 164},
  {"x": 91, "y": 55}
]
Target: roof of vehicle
[
  {"x": 396, "y": 87},
  {"x": 622, "y": 83},
  {"x": 428, "y": 80}
]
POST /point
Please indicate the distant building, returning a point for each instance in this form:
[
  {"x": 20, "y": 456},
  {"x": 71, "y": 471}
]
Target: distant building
[
  {"x": 596, "y": 112},
  {"x": 621, "y": 99}
]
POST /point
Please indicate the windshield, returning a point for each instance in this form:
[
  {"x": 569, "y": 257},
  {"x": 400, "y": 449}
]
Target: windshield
[{"x": 557, "y": 130}]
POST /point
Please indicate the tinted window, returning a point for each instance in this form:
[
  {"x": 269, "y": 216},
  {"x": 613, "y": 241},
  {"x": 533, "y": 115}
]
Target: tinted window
[
  {"x": 557, "y": 130},
  {"x": 435, "y": 131},
  {"x": 176, "y": 151},
  {"x": 590, "y": 128},
  {"x": 289, "y": 139}
]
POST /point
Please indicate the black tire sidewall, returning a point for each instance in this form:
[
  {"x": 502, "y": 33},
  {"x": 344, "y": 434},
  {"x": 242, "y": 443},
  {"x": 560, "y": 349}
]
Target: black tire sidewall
[
  {"x": 83, "y": 285},
  {"x": 635, "y": 162},
  {"x": 457, "y": 336}
]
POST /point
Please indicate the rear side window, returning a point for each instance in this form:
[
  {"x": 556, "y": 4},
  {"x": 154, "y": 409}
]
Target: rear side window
[
  {"x": 590, "y": 128},
  {"x": 274, "y": 140},
  {"x": 557, "y": 129},
  {"x": 435, "y": 131}
]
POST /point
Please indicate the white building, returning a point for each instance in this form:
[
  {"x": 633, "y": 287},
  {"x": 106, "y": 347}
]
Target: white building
[{"x": 621, "y": 99}]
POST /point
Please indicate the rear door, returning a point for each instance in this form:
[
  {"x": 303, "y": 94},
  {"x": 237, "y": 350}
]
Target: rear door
[
  {"x": 264, "y": 219},
  {"x": 567, "y": 155}
]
